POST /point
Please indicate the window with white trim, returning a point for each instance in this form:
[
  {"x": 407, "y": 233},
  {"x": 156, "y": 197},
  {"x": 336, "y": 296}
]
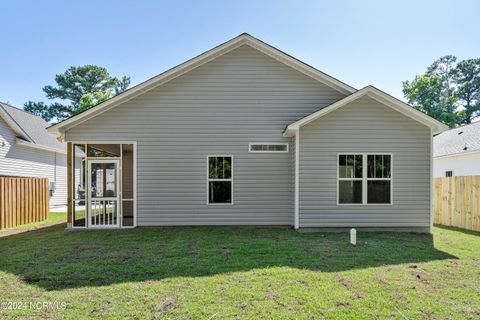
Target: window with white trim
[
  {"x": 268, "y": 147},
  {"x": 364, "y": 179},
  {"x": 220, "y": 180}
]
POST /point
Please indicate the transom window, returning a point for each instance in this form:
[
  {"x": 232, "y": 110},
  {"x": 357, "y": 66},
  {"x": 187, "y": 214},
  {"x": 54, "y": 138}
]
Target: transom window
[
  {"x": 364, "y": 179},
  {"x": 220, "y": 180},
  {"x": 268, "y": 147}
]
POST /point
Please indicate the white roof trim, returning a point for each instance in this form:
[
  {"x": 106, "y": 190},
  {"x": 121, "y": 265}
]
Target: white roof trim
[
  {"x": 13, "y": 124},
  {"x": 23, "y": 143},
  {"x": 378, "y": 95},
  {"x": 243, "y": 39}
]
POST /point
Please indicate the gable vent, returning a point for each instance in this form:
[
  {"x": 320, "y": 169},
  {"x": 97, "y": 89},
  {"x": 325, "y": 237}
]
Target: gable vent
[{"x": 268, "y": 147}]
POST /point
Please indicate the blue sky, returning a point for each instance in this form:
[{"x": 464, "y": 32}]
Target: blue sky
[{"x": 359, "y": 42}]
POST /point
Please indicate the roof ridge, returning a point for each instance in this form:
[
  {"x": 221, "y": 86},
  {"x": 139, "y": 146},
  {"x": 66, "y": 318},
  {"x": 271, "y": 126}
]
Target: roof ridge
[
  {"x": 200, "y": 59},
  {"x": 300, "y": 61},
  {"x": 371, "y": 91},
  {"x": 17, "y": 108},
  {"x": 2, "y": 106},
  {"x": 29, "y": 127}
]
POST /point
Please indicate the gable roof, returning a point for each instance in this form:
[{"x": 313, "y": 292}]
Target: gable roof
[
  {"x": 243, "y": 39},
  {"x": 460, "y": 140},
  {"x": 31, "y": 130},
  {"x": 373, "y": 93}
]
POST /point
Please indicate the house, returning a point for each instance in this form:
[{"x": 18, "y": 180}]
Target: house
[
  {"x": 457, "y": 152},
  {"x": 27, "y": 149},
  {"x": 245, "y": 134}
]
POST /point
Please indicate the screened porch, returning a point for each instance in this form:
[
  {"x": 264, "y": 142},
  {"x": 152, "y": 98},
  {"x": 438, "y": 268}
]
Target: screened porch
[{"x": 102, "y": 185}]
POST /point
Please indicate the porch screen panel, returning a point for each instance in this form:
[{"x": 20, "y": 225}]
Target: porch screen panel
[
  {"x": 79, "y": 183},
  {"x": 127, "y": 211},
  {"x": 127, "y": 185}
]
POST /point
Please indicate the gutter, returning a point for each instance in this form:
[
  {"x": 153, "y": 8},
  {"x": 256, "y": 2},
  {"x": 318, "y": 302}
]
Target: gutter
[{"x": 23, "y": 143}]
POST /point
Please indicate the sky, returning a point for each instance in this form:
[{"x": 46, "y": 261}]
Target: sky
[{"x": 381, "y": 43}]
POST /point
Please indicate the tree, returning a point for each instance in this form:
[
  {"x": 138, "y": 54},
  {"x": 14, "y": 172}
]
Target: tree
[
  {"x": 426, "y": 93},
  {"x": 448, "y": 91},
  {"x": 444, "y": 68},
  {"x": 79, "y": 88},
  {"x": 89, "y": 100},
  {"x": 47, "y": 112},
  {"x": 467, "y": 79}
]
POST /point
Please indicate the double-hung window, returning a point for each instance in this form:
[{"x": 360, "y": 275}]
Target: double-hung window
[
  {"x": 364, "y": 179},
  {"x": 220, "y": 180}
]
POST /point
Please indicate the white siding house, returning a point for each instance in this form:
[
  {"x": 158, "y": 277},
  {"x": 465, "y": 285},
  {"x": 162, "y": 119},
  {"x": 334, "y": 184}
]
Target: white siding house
[
  {"x": 457, "y": 152},
  {"x": 27, "y": 149}
]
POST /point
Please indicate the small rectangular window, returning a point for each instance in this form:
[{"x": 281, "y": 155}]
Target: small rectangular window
[
  {"x": 350, "y": 166},
  {"x": 268, "y": 147},
  {"x": 448, "y": 173},
  {"x": 378, "y": 166},
  {"x": 220, "y": 179}
]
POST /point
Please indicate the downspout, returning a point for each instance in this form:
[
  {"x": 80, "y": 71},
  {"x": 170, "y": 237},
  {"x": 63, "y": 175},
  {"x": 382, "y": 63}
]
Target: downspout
[
  {"x": 297, "y": 180},
  {"x": 432, "y": 189}
]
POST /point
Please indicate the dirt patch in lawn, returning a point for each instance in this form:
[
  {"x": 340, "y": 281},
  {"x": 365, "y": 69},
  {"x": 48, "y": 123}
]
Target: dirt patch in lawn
[{"x": 166, "y": 305}]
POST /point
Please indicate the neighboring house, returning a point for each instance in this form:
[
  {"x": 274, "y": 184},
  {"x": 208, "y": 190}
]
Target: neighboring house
[
  {"x": 27, "y": 149},
  {"x": 457, "y": 152},
  {"x": 245, "y": 134}
]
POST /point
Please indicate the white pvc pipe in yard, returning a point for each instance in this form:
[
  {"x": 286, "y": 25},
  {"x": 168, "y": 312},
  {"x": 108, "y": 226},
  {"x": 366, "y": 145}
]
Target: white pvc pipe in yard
[{"x": 353, "y": 236}]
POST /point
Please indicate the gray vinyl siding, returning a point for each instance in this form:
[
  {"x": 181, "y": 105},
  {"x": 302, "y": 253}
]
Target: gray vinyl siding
[
  {"x": 365, "y": 126},
  {"x": 217, "y": 109},
  {"x": 27, "y": 162}
]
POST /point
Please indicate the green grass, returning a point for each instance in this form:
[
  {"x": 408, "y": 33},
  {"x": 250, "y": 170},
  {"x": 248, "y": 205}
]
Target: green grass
[
  {"x": 53, "y": 219},
  {"x": 245, "y": 273}
]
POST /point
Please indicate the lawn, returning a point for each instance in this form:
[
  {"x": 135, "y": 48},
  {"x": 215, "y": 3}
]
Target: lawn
[
  {"x": 241, "y": 273},
  {"x": 53, "y": 219}
]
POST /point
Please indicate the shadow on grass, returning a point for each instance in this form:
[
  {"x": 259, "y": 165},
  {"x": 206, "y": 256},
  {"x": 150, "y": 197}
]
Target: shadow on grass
[
  {"x": 466, "y": 231},
  {"x": 29, "y": 229},
  {"x": 55, "y": 259}
]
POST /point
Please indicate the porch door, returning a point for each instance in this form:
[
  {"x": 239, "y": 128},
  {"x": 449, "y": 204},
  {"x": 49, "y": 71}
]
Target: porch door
[{"x": 103, "y": 193}]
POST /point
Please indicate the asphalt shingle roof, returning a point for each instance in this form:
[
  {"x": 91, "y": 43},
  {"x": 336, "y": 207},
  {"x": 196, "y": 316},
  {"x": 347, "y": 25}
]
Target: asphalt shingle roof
[
  {"x": 459, "y": 140},
  {"x": 34, "y": 127}
]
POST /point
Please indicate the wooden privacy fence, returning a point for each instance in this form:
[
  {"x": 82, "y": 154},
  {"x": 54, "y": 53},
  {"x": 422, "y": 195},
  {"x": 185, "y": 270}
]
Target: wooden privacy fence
[
  {"x": 23, "y": 200},
  {"x": 457, "y": 202}
]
